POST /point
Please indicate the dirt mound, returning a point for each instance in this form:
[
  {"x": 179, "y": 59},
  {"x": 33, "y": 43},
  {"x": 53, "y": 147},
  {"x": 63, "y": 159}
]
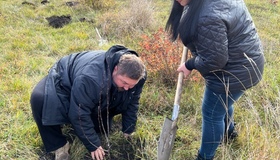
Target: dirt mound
[{"x": 59, "y": 21}]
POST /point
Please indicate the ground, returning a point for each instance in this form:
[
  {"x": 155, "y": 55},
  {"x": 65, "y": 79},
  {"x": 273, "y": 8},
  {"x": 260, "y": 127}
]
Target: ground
[{"x": 120, "y": 148}]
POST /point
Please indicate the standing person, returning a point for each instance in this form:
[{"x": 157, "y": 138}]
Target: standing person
[
  {"x": 87, "y": 90},
  {"x": 227, "y": 52}
]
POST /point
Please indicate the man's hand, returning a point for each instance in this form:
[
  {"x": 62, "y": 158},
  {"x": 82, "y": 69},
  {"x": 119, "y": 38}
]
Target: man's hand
[
  {"x": 126, "y": 135},
  {"x": 98, "y": 154}
]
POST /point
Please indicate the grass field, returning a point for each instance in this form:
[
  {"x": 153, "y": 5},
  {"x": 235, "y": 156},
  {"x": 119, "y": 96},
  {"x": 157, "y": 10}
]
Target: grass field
[{"x": 29, "y": 46}]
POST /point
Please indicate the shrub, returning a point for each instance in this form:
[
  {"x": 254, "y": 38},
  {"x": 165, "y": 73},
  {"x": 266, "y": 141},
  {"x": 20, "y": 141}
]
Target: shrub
[
  {"x": 162, "y": 57},
  {"x": 130, "y": 21}
]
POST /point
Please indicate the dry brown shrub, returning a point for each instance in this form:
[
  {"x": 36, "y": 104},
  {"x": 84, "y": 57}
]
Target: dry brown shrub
[{"x": 128, "y": 20}]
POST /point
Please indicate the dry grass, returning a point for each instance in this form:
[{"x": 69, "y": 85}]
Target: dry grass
[{"x": 29, "y": 46}]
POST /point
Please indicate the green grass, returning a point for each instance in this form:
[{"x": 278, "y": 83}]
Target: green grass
[{"x": 29, "y": 46}]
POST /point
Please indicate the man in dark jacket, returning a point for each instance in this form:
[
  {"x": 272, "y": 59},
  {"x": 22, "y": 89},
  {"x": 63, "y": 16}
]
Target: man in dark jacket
[{"x": 87, "y": 90}]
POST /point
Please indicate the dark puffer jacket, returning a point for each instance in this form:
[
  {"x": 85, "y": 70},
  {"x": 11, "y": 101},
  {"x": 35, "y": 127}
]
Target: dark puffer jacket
[
  {"x": 227, "y": 51},
  {"x": 79, "y": 85}
]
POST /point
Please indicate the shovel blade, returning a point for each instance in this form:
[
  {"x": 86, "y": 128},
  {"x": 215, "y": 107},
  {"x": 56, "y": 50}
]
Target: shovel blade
[{"x": 166, "y": 139}]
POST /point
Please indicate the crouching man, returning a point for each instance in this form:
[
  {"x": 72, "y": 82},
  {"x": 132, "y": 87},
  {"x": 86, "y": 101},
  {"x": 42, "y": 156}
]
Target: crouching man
[{"x": 87, "y": 90}]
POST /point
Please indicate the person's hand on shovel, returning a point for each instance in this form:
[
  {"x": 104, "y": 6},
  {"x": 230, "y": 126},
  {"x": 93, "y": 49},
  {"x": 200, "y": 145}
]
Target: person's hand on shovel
[{"x": 182, "y": 68}]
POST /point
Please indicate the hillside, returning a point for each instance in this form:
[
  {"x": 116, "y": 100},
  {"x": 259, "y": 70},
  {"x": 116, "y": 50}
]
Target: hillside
[{"x": 30, "y": 45}]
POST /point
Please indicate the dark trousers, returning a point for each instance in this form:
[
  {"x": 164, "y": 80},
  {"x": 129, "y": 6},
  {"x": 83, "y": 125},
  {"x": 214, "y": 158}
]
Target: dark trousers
[{"x": 52, "y": 136}]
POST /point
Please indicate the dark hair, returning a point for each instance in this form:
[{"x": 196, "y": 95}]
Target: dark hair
[
  {"x": 186, "y": 27},
  {"x": 131, "y": 66}
]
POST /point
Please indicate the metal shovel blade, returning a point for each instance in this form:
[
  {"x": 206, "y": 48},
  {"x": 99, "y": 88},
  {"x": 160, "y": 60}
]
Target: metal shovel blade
[
  {"x": 166, "y": 139},
  {"x": 168, "y": 132}
]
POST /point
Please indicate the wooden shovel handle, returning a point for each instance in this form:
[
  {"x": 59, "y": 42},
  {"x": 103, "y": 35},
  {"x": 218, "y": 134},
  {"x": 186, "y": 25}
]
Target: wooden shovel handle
[{"x": 180, "y": 79}]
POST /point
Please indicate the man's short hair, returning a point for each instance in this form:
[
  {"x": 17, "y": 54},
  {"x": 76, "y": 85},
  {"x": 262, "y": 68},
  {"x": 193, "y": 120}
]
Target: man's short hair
[{"x": 131, "y": 66}]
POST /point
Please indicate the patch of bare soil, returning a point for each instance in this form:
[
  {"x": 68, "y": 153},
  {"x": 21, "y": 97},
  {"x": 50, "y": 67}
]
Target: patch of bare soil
[{"x": 59, "y": 21}]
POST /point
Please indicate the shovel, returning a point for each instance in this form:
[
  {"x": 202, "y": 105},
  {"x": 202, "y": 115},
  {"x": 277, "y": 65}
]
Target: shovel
[{"x": 168, "y": 133}]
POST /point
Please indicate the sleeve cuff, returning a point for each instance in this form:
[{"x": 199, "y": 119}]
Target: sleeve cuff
[{"x": 190, "y": 64}]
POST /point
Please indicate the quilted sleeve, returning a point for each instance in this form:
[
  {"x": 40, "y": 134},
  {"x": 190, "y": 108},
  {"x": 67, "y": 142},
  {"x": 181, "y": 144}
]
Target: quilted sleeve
[{"x": 211, "y": 45}]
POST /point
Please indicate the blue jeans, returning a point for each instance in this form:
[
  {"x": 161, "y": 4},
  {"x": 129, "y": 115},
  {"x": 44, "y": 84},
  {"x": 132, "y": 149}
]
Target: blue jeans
[{"x": 217, "y": 118}]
